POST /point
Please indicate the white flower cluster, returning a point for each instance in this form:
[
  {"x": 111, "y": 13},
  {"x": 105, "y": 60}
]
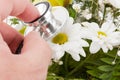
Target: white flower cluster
[{"x": 72, "y": 39}]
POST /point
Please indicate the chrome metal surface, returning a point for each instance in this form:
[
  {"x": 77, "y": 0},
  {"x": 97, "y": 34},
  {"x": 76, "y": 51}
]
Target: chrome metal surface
[{"x": 46, "y": 24}]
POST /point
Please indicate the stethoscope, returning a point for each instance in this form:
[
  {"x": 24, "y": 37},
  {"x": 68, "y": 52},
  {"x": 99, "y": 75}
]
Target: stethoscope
[{"x": 48, "y": 24}]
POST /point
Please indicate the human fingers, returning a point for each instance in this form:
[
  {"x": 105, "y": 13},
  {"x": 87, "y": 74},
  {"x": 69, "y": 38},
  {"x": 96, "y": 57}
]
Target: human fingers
[
  {"x": 36, "y": 49},
  {"x": 35, "y": 45},
  {"x": 29, "y": 14},
  {"x": 5, "y": 8},
  {"x": 20, "y": 8},
  {"x": 37, "y": 52},
  {"x": 11, "y": 36},
  {"x": 3, "y": 46}
]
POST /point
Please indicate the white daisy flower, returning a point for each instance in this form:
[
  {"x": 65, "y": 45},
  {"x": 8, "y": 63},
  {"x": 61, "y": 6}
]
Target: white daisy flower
[
  {"x": 68, "y": 40},
  {"x": 105, "y": 37}
]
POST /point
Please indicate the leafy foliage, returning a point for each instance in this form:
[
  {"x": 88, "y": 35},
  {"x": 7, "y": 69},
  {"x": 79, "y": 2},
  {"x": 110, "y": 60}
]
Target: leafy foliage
[
  {"x": 14, "y": 21},
  {"x": 71, "y": 11},
  {"x": 95, "y": 67},
  {"x": 106, "y": 70}
]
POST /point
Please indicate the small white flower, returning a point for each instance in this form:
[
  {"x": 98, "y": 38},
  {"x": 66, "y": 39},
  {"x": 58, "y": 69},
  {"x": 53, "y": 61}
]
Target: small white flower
[
  {"x": 105, "y": 37},
  {"x": 109, "y": 16},
  {"x": 77, "y": 7},
  {"x": 101, "y": 3},
  {"x": 86, "y": 13},
  {"x": 68, "y": 40},
  {"x": 60, "y": 62}
]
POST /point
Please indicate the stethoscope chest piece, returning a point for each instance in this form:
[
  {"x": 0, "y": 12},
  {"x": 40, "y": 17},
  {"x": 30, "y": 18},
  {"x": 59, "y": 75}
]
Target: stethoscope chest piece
[{"x": 50, "y": 22}]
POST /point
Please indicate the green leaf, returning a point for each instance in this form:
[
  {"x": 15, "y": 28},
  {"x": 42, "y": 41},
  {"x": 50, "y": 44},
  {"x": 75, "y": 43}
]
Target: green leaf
[
  {"x": 112, "y": 53},
  {"x": 14, "y": 21},
  {"x": 94, "y": 7},
  {"x": 105, "y": 68},
  {"x": 94, "y": 73},
  {"x": 117, "y": 67},
  {"x": 90, "y": 67},
  {"x": 71, "y": 11},
  {"x": 107, "y": 60},
  {"x": 115, "y": 78},
  {"x": 116, "y": 73},
  {"x": 105, "y": 76},
  {"x": 94, "y": 79},
  {"x": 75, "y": 79},
  {"x": 52, "y": 76}
]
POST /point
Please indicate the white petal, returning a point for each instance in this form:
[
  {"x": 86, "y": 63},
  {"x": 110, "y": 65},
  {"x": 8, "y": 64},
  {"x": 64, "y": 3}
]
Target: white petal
[
  {"x": 110, "y": 46},
  {"x": 114, "y": 42},
  {"x": 58, "y": 52},
  {"x": 105, "y": 26},
  {"x": 86, "y": 24},
  {"x": 76, "y": 57},
  {"x": 83, "y": 43},
  {"x": 94, "y": 47},
  {"x": 115, "y": 3},
  {"x": 73, "y": 30},
  {"x": 94, "y": 26},
  {"x": 74, "y": 53},
  {"x": 85, "y": 33},
  {"x": 71, "y": 20},
  {"x": 58, "y": 55},
  {"x": 82, "y": 52},
  {"x": 104, "y": 48},
  {"x": 115, "y": 35},
  {"x": 108, "y": 26}
]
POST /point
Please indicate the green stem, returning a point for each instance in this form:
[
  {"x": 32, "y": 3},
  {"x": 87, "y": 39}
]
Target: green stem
[
  {"x": 104, "y": 14},
  {"x": 79, "y": 66},
  {"x": 66, "y": 62}
]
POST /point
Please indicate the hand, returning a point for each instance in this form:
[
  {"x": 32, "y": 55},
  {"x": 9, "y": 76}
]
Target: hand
[
  {"x": 32, "y": 63},
  {"x": 22, "y": 9}
]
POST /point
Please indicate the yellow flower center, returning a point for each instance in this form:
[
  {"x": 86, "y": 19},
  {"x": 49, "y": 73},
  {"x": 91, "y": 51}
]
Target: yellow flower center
[
  {"x": 60, "y": 38},
  {"x": 101, "y": 34}
]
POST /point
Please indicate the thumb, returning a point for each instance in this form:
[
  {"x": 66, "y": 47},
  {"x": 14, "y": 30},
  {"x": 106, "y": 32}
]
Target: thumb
[{"x": 36, "y": 48}]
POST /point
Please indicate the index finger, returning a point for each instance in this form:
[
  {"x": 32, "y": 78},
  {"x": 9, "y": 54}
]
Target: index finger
[{"x": 23, "y": 9}]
